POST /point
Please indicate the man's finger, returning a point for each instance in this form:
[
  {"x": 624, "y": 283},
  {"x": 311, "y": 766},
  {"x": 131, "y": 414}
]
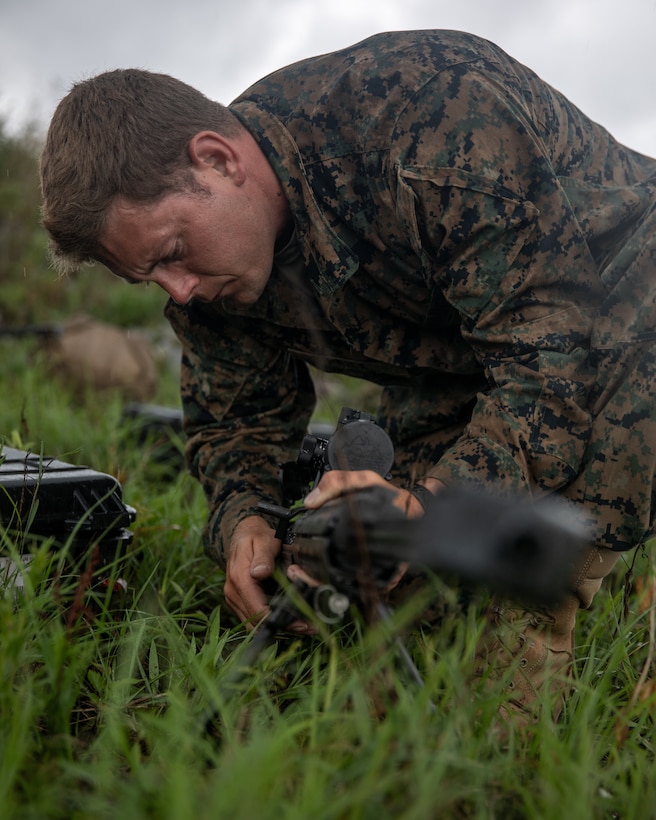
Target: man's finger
[{"x": 336, "y": 482}]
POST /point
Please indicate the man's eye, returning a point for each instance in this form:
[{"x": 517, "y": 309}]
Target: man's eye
[{"x": 172, "y": 258}]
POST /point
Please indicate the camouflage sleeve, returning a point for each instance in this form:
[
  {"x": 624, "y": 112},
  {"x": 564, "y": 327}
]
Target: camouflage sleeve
[
  {"x": 489, "y": 218},
  {"x": 246, "y": 407}
]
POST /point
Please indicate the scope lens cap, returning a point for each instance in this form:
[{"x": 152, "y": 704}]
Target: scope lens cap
[{"x": 360, "y": 445}]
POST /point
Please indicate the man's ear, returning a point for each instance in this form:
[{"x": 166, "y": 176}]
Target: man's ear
[{"x": 207, "y": 149}]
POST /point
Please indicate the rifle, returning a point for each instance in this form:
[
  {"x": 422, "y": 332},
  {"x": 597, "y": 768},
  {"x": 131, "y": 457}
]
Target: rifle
[{"x": 352, "y": 547}]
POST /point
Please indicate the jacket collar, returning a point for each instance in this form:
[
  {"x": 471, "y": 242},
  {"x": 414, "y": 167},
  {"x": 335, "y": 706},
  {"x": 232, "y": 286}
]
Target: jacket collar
[{"x": 334, "y": 261}]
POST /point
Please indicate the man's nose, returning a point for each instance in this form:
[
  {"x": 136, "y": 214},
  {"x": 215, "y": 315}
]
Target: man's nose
[{"x": 178, "y": 284}]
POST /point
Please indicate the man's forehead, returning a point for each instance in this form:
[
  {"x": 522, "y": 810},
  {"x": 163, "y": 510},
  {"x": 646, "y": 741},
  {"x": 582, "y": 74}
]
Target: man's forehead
[{"x": 133, "y": 238}]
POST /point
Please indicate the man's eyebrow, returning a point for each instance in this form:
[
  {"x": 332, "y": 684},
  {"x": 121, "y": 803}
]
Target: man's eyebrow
[
  {"x": 144, "y": 271},
  {"x": 113, "y": 265},
  {"x": 150, "y": 264}
]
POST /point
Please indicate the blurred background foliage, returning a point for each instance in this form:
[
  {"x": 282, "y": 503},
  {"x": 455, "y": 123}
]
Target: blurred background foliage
[{"x": 30, "y": 290}]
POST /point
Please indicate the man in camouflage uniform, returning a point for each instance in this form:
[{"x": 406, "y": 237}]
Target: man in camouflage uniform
[{"x": 419, "y": 210}]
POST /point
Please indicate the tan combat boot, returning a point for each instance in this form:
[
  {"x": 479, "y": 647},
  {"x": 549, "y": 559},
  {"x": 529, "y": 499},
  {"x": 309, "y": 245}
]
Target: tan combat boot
[{"x": 538, "y": 645}]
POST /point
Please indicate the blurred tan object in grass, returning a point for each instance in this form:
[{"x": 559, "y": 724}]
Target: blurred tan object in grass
[{"x": 88, "y": 354}]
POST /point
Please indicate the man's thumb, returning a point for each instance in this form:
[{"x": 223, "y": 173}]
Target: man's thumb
[{"x": 261, "y": 567}]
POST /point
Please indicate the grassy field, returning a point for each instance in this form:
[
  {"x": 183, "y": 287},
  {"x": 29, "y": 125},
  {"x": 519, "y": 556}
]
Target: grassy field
[{"x": 103, "y": 710}]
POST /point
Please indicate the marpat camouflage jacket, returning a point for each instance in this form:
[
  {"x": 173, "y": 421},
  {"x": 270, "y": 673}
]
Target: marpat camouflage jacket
[{"x": 457, "y": 220}]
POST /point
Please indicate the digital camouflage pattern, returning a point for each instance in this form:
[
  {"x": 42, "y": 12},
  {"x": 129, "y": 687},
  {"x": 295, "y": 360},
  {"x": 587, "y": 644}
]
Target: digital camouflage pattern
[{"x": 465, "y": 237}]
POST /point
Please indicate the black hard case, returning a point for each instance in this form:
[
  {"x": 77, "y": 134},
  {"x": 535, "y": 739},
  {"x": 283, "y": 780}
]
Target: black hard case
[{"x": 44, "y": 497}]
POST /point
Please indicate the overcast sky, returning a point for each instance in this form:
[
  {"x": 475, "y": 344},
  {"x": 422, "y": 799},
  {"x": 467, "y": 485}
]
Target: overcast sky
[{"x": 600, "y": 53}]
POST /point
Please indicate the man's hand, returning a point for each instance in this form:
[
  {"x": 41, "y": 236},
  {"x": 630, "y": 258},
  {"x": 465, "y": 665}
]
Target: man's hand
[
  {"x": 251, "y": 559},
  {"x": 254, "y": 547},
  {"x": 336, "y": 482}
]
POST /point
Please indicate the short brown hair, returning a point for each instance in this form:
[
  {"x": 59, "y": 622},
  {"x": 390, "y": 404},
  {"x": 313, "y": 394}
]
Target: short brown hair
[{"x": 122, "y": 133}]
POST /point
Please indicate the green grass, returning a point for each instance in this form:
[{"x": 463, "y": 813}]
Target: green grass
[{"x": 103, "y": 716}]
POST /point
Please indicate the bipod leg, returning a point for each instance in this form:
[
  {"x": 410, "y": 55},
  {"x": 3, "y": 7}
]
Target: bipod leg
[
  {"x": 384, "y": 613},
  {"x": 283, "y": 612}
]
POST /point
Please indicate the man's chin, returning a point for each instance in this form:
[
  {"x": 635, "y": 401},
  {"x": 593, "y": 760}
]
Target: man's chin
[
  {"x": 241, "y": 300},
  {"x": 236, "y": 298},
  {"x": 210, "y": 300}
]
